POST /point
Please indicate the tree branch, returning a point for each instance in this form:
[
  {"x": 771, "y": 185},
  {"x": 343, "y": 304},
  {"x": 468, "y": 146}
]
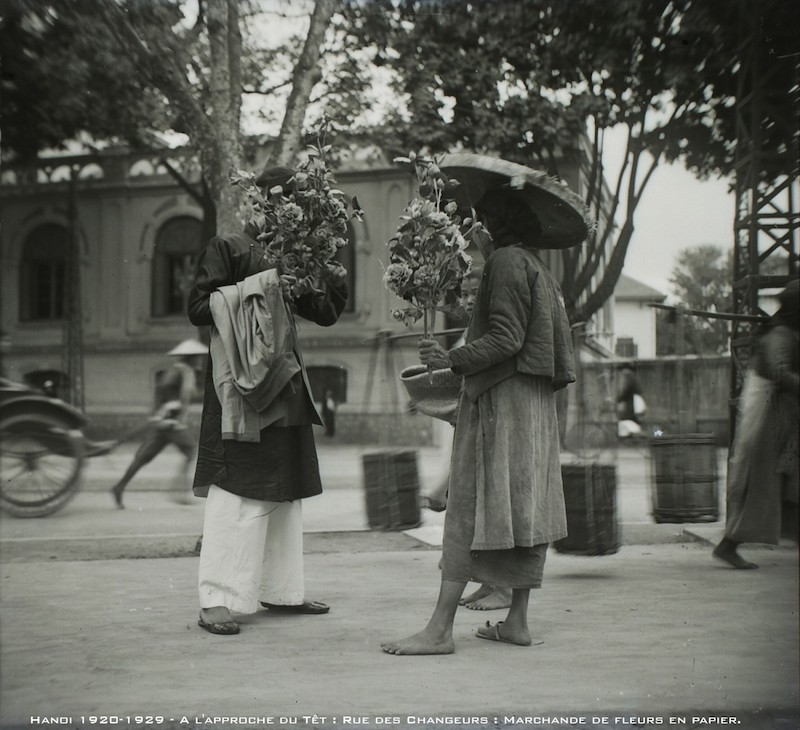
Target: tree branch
[
  {"x": 597, "y": 248},
  {"x": 305, "y": 76},
  {"x": 175, "y": 174},
  {"x": 163, "y": 70}
]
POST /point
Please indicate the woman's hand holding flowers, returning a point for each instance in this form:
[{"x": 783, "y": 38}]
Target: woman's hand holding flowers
[{"x": 432, "y": 354}]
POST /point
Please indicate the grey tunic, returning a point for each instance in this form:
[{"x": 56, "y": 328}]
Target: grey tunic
[{"x": 505, "y": 500}]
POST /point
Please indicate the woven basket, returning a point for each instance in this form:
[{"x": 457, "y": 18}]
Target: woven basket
[{"x": 435, "y": 394}]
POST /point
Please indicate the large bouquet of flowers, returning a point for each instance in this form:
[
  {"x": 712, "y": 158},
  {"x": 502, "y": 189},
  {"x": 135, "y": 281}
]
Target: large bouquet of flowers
[
  {"x": 427, "y": 254},
  {"x": 303, "y": 226}
]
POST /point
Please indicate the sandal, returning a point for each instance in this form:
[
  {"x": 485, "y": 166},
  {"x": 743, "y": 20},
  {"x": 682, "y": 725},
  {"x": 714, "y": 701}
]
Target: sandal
[
  {"x": 224, "y": 628},
  {"x": 309, "y": 607}
]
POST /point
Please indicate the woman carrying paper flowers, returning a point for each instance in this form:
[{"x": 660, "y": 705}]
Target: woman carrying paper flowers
[
  {"x": 505, "y": 500},
  {"x": 427, "y": 255}
]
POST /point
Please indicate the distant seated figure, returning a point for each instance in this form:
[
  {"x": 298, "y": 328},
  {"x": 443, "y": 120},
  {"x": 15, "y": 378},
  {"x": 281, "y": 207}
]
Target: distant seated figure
[{"x": 631, "y": 405}]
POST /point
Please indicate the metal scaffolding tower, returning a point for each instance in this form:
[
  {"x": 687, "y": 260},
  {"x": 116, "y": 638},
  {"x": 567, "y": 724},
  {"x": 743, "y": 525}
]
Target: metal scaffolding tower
[
  {"x": 767, "y": 221},
  {"x": 72, "y": 352}
]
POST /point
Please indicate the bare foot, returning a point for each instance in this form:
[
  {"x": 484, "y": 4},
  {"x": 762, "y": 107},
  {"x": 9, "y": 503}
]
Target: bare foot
[
  {"x": 117, "y": 494},
  {"x": 730, "y": 556},
  {"x": 425, "y": 642},
  {"x": 482, "y": 592},
  {"x": 498, "y": 598},
  {"x": 433, "y": 503}
]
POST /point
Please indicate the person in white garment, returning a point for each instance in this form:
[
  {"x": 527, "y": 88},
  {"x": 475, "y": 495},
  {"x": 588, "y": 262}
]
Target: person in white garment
[{"x": 257, "y": 458}]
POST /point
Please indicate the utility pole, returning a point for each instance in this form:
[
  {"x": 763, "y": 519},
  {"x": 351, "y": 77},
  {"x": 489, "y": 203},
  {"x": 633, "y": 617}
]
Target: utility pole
[{"x": 72, "y": 335}]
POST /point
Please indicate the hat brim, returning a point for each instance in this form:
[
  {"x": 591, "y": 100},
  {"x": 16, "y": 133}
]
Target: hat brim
[
  {"x": 189, "y": 347},
  {"x": 561, "y": 213}
]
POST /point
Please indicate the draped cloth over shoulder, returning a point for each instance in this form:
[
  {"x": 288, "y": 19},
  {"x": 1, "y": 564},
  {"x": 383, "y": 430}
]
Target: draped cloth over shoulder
[
  {"x": 252, "y": 353},
  {"x": 282, "y": 465}
]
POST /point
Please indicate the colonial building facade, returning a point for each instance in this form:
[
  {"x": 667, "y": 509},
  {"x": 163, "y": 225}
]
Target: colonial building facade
[{"x": 137, "y": 235}]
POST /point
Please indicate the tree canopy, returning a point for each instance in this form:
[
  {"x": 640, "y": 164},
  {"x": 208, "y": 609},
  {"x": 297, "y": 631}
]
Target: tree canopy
[
  {"x": 701, "y": 280},
  {"x": 535, "y": 81},
  {"x": 542, "y": 82},
  {"x": 140, "y": 73}
]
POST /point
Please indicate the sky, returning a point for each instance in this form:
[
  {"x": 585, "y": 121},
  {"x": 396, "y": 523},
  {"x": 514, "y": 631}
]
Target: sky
[{"x": 677, "y": 211}]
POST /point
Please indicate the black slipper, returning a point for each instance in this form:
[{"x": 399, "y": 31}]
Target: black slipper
[
  {"x": 225, "y": 628},
  {"x": 312, "y": 607}
]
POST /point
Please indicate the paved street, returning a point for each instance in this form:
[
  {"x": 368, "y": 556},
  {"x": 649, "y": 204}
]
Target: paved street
[{"x": 657, "y": 633}]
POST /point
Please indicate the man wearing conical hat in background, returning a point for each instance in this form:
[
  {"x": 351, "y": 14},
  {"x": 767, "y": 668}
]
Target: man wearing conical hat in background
[{"x": 175, "y": 389}]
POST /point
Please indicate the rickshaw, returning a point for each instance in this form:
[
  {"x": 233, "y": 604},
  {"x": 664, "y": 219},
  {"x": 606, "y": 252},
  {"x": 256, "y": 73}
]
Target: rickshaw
[{"x": 42, "y": 450}]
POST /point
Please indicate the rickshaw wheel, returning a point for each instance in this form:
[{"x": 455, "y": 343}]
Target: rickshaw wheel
[{"x": 40, "y": 464}]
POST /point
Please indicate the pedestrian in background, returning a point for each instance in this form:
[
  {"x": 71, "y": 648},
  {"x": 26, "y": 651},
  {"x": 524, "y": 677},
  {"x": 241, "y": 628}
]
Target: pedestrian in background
[
  {"x": 436, "y": 499},
  {"x": 763, "y": 474},
  {"x": 631, "y": 405},
  {"x": 329, "y": 413},
  {"x": 255, "y": 480},
  {"x": 175, "y": 390}
]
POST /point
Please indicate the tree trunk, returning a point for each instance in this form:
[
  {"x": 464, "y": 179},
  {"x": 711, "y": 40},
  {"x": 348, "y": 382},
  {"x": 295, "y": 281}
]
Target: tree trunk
[
  {"x": 306, "y": 74},
  {"x": 222, "y": 152}
]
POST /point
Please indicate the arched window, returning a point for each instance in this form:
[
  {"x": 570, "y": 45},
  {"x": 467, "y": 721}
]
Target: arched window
[
  {"x": 347, "y": 257},
  {"x": 42, "y": 272},
  {"x": 178, "y": 244}
]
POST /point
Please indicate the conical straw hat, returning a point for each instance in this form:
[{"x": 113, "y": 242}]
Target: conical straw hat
[
  {"x": 561, "y": 213},
  {"x": 189, "y": 347}
]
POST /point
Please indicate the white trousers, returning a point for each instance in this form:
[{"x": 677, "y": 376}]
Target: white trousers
[{"x": 252, "y": 551}]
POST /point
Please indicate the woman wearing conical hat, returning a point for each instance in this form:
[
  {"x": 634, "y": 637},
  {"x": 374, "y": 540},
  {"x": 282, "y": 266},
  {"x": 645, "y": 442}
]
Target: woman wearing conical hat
[{"x": 505, "y": 500}]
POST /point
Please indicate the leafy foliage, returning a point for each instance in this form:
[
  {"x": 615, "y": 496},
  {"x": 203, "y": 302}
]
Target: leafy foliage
[
  {"x": 427, "y": 254},
  {"x": 701, "y": 280},
  {"x": 144, "y": 74},
  {"x": 540, "y": 82},
  {"x": 303, "y": 226},
  {"x": 65, "y": 77}
]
